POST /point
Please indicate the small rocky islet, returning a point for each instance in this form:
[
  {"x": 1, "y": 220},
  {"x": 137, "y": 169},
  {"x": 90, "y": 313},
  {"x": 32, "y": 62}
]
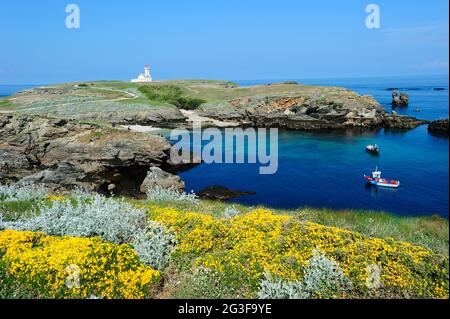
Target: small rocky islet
[{"x": 70, "y": 135}]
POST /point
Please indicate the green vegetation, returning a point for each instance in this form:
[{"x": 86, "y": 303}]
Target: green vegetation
[
  {"x": 171, "y": 94},
  {"x": 5, "y": 104},
  {"x": 95, "y": 135},
  {"x": 429, "y": 231},
  {"x": 232, "y": 251},
  {"x": 100, "y": 98}
]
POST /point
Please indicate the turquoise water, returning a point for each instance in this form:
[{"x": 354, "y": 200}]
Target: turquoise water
[{"x": 326, "y": 169}]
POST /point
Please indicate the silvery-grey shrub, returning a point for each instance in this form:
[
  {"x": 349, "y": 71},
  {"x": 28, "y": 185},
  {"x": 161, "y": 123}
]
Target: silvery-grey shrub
[
  {"x": 160, "y": 194},
  {"x": 322, "y": 278},
  {"x": 154, "y": 245},
  {"x": 229, "y": 212},
  {"x": 204, "y": 283},
  {"x": 90, "y": 215},
  {"x": 272, "y": 288},
  {"x": 113, "y": 220},
  {"x": 80, "y": 194},
  {"x": 22, "y": 192}
]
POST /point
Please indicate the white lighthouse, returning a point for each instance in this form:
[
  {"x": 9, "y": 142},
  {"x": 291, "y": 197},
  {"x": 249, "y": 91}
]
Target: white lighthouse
[{"x": 143, "y": 78}]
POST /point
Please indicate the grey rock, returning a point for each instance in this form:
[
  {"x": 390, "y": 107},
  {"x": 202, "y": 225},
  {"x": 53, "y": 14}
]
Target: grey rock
[
  {"x": 400, "y": 99},
  {"x": 156, "y": 177},
  {"x": 64, "y": 176},
  {"x": 402, "y": 122},
  {"x": 64, "y": 154},
  {"x": 439, "y": 126},
  {"x": 221, "y": 193},
  {"x": 345, "y": 109}
]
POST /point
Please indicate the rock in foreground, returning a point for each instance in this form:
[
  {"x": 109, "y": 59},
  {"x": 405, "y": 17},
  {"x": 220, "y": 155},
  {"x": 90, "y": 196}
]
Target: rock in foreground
[
  {"x": 156, "y": 177},
  {"x": 64, "y": 154},
  {"x": 221, "y": 193}
]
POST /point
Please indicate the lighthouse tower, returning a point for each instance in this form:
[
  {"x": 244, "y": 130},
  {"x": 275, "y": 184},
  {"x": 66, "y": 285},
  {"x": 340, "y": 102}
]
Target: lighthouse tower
[
  {"x": 146, "y": 77},
  {"x": 147, "y": 74}
]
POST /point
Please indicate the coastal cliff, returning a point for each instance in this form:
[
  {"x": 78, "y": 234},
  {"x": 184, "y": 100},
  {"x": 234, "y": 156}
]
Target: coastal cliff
[
  {"x": 170, "y": 104},
  {"x": 64, "y": 154}
]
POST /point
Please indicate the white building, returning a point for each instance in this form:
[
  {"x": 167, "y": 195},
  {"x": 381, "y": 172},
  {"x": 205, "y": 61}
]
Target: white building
[{"x": 146, "y": 77}]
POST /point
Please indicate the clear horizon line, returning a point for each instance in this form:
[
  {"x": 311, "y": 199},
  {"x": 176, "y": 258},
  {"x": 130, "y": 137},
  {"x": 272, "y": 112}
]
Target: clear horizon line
[{"x": 235, "y": 80}]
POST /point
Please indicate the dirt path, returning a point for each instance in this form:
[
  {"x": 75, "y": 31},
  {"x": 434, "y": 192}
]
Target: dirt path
[{"x": 192, "y": 116}]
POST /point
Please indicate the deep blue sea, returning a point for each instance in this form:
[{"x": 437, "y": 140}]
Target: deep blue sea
[{"x": 326, "y": 169}]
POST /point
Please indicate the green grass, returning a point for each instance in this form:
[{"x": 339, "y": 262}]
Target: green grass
[
  {"x": 10, "y": 288},
  {"x": 13, "y": 210},
  {"x": 5, "y": 104},
  {"x": 96, "y": 134},
  {"x": 90, "y": 97},
  {"x": 180, "y": 281},
  {"x": 428, "y": 231},
  {"x": 171, "y": 94}
]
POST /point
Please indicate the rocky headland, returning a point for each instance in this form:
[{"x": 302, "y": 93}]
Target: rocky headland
[
  {"x": 286, "y": 106},
  {"x": 64, "y": 154},
  {"x": 75, "y": 135}
]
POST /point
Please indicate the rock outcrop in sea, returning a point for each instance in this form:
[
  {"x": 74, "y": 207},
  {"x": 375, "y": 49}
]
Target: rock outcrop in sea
[
  {"x": 400, "y": 99},
  {"x": 221, "y": 193},
  {"x": 439, "y": 126},
  {"x": 345, "y": 110},
  {"x": 401, "y": 122}
]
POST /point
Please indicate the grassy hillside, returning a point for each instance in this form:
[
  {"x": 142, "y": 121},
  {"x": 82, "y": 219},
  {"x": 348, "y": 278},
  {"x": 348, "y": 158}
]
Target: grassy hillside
[
  {"x": 75, "y": 99},
  {"x": 176, "y": 246}
]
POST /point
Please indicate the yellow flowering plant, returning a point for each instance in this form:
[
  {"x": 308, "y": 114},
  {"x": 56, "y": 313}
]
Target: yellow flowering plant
[
  {"x": 71, "y": 267},
  {"x": 245, "y": 247}
]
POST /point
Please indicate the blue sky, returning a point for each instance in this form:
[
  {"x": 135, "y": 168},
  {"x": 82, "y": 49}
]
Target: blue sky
[{"x": 220, "y": 39}]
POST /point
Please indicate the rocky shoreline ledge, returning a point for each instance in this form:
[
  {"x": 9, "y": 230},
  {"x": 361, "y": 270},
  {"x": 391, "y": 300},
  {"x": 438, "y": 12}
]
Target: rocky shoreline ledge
[
  {"x": 76, "y": 135},
  {"x": 64, "y": 154},
  {"x": 286, "y": 106},
  {"x": 439, "y": 126}
]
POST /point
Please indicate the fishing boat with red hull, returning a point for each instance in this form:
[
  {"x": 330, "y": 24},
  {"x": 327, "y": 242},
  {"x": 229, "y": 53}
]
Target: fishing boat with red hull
[{"x": 382, "y": 182}]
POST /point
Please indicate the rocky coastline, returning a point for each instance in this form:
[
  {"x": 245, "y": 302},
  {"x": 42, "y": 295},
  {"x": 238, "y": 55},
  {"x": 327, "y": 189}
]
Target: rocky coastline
[
  {"x": 439, "y": 126},
  {"x": 92, "y": 150},
  {"x": 64, "y": 154},
  {"x": 285, "y": 106}
]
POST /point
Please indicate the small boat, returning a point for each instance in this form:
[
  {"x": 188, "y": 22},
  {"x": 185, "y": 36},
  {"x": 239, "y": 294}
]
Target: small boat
[
  {"x": 374, "y": 149},
  {"x": 382, "y": 182}
]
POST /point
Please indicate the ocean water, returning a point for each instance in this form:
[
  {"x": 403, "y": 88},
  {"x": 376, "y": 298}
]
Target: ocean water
[
  {"x": 326, "y": 169},
  {"x": 433, "y": 104},
  {"x": 6, "y": 90}
]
